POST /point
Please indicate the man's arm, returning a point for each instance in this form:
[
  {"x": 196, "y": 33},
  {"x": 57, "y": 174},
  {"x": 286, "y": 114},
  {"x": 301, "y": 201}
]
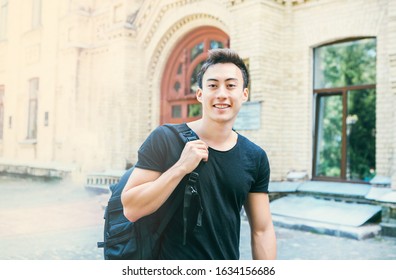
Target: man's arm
[
  {"x": 147, "y": 190},
  {"x": 263, "y": 239}
]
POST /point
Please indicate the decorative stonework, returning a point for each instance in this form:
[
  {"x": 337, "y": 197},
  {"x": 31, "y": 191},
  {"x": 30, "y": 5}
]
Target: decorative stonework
[
  {"x": 135, "y": 21},
  {"x": 131, "y": 19},
  {"x": 291, "y": 2},
  {"x": 170, "y": 34},
  {"x": 232, "y": 3},
  {"x": 142, "y": 20}
]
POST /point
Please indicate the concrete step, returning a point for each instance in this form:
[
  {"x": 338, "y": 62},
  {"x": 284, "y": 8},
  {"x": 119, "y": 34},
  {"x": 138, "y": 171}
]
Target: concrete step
[
  {"x": 357, "y": 233},
  {"x": 388, "y": 228},
  {"x": 351, "y": 220}
]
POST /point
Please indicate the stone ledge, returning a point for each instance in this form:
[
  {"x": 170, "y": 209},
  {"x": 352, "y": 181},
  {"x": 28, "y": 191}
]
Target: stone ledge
[
  {"x": 388, "y": 228},
  {"x": 325, "y": 211},
  {"x": 100, "y": 181},
  {"x": 36, "y": 169},
  {"x": 358, "y": 233},
  {"x": 364, "y": 192}
]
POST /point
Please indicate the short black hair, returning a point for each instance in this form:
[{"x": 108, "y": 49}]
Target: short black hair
[{"x": 217, "y": 56}]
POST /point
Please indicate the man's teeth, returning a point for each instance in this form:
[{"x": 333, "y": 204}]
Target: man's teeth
[{"x": 221, "y": 106}]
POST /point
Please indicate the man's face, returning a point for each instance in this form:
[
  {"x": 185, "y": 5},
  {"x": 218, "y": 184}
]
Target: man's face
[{"x": 222, "y": 92}]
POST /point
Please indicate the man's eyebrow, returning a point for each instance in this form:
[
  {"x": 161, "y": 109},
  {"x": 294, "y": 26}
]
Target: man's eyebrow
[{"x": 216, "y": 80}]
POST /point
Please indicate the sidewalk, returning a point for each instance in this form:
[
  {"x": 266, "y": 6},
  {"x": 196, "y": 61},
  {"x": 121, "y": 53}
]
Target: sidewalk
[{"x": 58, "y": 220}]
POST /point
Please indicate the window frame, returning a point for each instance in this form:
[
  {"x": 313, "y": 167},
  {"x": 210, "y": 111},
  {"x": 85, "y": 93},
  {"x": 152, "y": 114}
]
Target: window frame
[
  {"x": 32, "y": 117},
  {"x": 343, "y": 91}
]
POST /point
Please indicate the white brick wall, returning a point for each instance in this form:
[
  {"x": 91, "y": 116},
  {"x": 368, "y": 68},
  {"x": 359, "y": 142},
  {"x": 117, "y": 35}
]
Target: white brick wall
[
  {"x": 391, "y": 32},
  {"x": 100, "y": 77},
  {"x": 315, "y": 24}
]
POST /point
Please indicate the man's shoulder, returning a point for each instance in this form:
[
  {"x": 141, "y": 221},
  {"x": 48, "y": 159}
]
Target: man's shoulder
[
  {"x": 249, "y": 144},
  {"x": 168, "y": 130},
  {"x": 253, "y": 150},
  {"x": 171, "y": 135},
  {"x": 160, "y": 150}
]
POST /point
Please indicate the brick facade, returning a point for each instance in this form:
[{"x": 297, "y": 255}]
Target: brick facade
[{"x": 100, "y": 65}]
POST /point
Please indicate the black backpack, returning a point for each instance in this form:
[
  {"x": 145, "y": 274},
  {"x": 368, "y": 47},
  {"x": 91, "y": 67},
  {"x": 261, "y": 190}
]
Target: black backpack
[{"x": 141, "y": 240}]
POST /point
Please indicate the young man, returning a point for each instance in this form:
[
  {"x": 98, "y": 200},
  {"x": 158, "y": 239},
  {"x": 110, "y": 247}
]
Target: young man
[{"x": 234, "y": 172}]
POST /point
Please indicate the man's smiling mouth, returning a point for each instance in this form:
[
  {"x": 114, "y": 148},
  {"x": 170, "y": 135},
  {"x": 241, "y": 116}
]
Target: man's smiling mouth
[{"x": 221, "y": 106}]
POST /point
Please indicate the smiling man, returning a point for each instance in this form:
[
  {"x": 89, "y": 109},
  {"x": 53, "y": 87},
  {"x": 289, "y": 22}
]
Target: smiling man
[{"x": 235, "y": 172}]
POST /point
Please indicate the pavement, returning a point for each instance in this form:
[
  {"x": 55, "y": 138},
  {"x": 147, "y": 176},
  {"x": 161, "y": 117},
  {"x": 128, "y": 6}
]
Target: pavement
[{"x": 58, "y": 220}]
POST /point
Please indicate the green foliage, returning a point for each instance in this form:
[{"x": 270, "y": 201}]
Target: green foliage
[
  {"x": 361, "y": 134},
  {"x": 194, "y": 110},
  {"x": 331, "y": 134},
  {"x": 346, "y": 64}
]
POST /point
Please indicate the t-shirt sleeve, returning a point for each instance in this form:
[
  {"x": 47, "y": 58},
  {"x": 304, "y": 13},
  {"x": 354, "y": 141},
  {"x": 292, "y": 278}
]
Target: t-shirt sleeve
[
  {"x": 151, "y": 154},
  {"x": 263, "y": 175}
]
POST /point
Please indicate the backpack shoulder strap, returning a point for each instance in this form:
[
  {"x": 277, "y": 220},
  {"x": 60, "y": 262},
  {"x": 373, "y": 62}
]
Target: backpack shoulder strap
[
  {"x": 184, "y": 131},
  {"x": 186, "y": 134}
]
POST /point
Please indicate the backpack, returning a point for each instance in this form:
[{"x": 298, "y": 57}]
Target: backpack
[{"x": 140, "y": 240}]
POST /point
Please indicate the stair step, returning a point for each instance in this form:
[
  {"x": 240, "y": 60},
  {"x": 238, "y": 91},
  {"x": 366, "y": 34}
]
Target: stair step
[
  {"x": 325, "y": 211},
  {"x": 388, "y": 228},
  {"x": 352, "y": 232},
  {"x": 350, "y": 220}
]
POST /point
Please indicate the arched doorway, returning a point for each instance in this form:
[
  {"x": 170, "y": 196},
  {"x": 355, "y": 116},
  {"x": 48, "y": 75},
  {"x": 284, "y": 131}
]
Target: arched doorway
[{"x": 179, "y": 84}]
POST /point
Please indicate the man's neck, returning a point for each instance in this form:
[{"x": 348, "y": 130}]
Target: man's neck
[{"x": 219, "y": 136}]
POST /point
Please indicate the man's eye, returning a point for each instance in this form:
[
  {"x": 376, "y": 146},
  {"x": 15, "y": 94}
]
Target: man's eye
[
  {"x": 231, "y": 85},
  {"x": 211, "y": 85}
]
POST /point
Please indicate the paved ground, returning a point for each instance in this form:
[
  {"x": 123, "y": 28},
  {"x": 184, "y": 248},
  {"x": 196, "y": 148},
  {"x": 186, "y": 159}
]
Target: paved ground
[{"x": 58, "y": 220}]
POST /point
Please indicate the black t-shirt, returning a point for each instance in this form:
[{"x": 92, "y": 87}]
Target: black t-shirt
[{"x": 224, "y": 183}]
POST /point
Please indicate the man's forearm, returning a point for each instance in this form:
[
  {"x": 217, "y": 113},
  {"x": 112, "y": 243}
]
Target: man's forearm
[
  {"x": 144, "y": 199},
  {"x": 264, "y": 245}
]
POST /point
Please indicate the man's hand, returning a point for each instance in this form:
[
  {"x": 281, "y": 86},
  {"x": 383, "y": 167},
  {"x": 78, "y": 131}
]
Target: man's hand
[
  {"x": 147, "y": 190},
  {"x": 193, "y": 153}
]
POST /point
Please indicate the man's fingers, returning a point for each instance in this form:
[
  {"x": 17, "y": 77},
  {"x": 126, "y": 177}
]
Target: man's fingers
[
  {"x": 202, "y": 149},
  {"x": 199, "y": 148}
]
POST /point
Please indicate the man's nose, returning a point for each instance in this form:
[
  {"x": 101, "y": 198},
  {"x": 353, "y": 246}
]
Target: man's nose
[{"x": 222, "y": 92}]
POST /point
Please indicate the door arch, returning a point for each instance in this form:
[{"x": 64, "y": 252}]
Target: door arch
[{"x": 179, "y": 84}]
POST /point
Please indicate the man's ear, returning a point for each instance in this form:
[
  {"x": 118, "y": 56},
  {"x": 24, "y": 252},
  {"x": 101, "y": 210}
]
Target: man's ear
[
  {"x": 198, "y": 95},
  {"x": 245, "y": 94}
]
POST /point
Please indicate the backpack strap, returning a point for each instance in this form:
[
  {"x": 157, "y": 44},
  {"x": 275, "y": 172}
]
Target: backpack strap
[
  {"x": 185, "y": 132},
  {"x": 190, "y": 189}
]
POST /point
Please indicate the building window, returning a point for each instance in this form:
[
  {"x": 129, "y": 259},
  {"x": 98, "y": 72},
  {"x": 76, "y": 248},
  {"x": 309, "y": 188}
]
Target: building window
[
  {"x": 36, "y": 13},
  {"x": 344, "y": 91},
  {"x": 46, "y": 119},
  {"x": 1, "y": 112},
  {"x": 32, "y": 108},
  {"x": 3, "y": 19},
  {"x": 179, "y": 83}
]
